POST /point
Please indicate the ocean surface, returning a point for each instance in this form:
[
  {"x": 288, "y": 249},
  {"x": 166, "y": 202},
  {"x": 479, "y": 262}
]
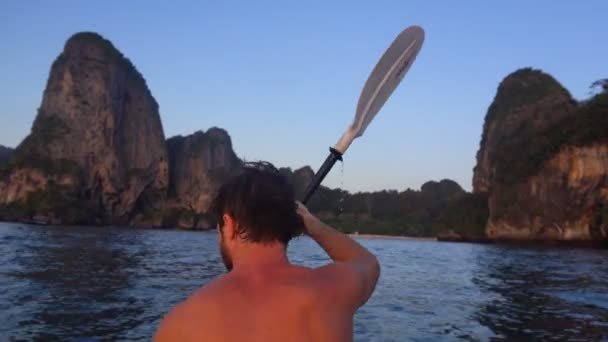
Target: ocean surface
[{"x": 89, "y": 284}]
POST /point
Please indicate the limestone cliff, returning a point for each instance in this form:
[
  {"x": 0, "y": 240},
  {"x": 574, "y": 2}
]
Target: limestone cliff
[
  {"x": 567, "y": 199},
  {"x": 97, "y": 136},
  {"x": 299, "y": 178},
  {"x": 199, "y": 163},
  {"x": 543, "y": 162},
  {"x": 527, "y": 102},
  {"x": 5, "y": 154},
  {"x": 442, "y": 189},
  {"x": 97, "y": 154}
]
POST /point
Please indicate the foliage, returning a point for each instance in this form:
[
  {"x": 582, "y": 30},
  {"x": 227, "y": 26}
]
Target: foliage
[
  {"x": 527, "y": 148},
  {"x": 33, "y": 152},
  {"x": 600, "y": 85},
  {"x": 524, "y": 152},
  {"x": 411, "y": 213},
  {"x": 5, "y": 154},
  {"x": 56, "y": 201},
  {"x": 466, "y": 215},
  {"x": 172, "y": 217},
  {"x": 525, "y": 155},
  {"x": 524, "y": 86},
  {"x": 111, "y": 53}
]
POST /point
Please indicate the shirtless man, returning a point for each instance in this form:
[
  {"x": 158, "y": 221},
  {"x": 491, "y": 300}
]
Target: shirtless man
[{"x": 263, "y": 297}]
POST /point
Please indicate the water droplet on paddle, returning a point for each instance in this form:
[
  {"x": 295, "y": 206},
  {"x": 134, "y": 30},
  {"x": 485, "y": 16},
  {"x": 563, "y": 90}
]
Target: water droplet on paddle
[
  {"x": 341, "y": 174},
  {"x": 342, "y": 186}
]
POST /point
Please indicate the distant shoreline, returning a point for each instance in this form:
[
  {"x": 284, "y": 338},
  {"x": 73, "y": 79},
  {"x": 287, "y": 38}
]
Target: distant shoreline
[
  {"x": 394, "y": 237},
  {"x": 365, "y": 236},
  {"x": 520, "y": 243}
]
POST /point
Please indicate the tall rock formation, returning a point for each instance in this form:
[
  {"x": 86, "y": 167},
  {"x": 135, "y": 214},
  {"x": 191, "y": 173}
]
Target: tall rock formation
[
  {"x": 445, "y": 188},
  {"x": 199, "y": 163},
  {"x": 526, "y": 103},
  {"x": 5, "y": 154},
  {"x": 299, "y": 178},
  {"x": 97, "y": 140},
  {"x": 543, "y": 162}
]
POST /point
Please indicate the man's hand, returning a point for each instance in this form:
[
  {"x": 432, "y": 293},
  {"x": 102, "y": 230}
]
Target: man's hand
[
  {"x": 355, "y": 270},
  {"x": 310, "y": 221}
]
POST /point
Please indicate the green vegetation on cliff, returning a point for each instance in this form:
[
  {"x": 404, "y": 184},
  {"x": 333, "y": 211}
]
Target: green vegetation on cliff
[
  {"x": 531, "y": 95},
  {"x": 523, "y": 87},
  {"x": 179, "y": 217},
  {"x": 54, "y": 202},
  {"x": 33, "y": 152},
  {"x": 411, "y": 213},
  {"x": 5, "y": 154},
  {"x": 527, "y": 105},
  {"x": 525, "y": 154},
  {"x": 531, "y": 120},
  {"x": 466, "y": 215},
  {"x": 589, "y": 125},
  {"x": 111, "y": 53}
]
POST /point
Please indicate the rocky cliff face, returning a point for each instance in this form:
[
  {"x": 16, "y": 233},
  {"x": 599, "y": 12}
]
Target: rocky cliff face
[
  {"x": 567, "y": 199},
  {"x": 543, "y": 162},
  {"x": 97, "y": 135},
  {"x": 299, "y": 178},
  {"x": 527, "y": 102},
  {"x": 97, "y": 153},
  {"x": 444, "y": 188},
  {"x": 5, "y": 154},
  {"x": 199, "y": 163}
]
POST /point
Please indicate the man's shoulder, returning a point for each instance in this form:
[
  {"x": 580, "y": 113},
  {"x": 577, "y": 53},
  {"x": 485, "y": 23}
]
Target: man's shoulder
[
  {"x": 202, "y": 300},
  {"x": 204, "y": 297},
  {"x": 186, "y": 317},
  {"x": 335, "y": 279},
  {"x": 319, "y": 284}
]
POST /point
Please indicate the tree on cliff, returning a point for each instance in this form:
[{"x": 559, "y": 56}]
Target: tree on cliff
[{"x": 600, "y": 86}]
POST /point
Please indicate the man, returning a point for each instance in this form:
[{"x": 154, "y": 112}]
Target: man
[{"x": 263, "y": 297}]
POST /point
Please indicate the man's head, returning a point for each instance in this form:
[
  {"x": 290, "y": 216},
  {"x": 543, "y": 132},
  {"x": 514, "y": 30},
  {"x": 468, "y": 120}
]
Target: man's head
[{"x": 256, "y": 206}]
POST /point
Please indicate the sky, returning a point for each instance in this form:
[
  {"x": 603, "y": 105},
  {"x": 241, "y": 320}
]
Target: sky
[{"x": 284, "y": 77}]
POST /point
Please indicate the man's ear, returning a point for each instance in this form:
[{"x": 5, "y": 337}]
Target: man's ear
[{"x": 229, "y": 230}]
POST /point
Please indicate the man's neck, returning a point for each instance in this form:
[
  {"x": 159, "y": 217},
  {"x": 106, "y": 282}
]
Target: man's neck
[{"x": 254, "y": 256}]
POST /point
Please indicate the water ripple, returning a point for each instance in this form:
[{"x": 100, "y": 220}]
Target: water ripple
[{"x": 91, "y": 284}]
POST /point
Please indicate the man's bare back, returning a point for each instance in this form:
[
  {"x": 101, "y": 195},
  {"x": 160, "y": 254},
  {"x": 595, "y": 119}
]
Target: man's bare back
[
  {"x": 264, "y": 297},
  {"x": 285, "y": 303}
]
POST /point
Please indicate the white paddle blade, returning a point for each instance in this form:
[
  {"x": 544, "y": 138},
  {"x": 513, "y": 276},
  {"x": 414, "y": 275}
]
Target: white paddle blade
[{"x": 383, "y": 80}]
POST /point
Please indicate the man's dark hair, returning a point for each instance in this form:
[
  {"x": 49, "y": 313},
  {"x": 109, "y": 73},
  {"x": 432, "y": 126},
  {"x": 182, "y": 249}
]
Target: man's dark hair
[{"x": 262, "y": 203}]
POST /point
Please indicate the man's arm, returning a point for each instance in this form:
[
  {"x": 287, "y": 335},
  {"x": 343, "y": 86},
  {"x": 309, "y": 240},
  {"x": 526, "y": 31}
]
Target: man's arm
[
  {"x": 170, "y": 327},
  {"x": 355, "y": 270}
]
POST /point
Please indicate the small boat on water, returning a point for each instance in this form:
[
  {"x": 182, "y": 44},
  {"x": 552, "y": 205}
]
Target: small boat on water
[{"x": 39, "y": 220}]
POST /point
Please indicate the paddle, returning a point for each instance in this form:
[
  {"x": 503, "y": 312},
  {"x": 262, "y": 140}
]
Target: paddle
[{"x": 384, "y": 79}]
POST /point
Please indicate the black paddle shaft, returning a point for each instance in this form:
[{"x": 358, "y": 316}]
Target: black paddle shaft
[{"x": 334, "y": 156}]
